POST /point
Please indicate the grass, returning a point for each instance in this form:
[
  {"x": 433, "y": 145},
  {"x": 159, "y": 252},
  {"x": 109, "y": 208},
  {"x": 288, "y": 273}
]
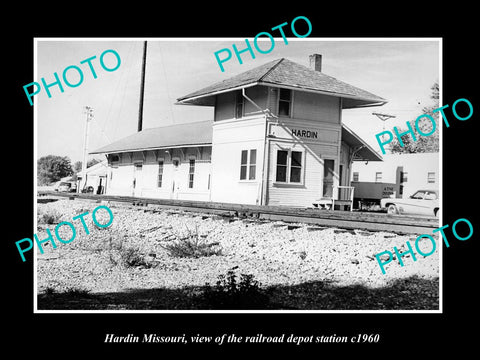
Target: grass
[
  {"x": 191, "y": 245},
  {"x": 132, "y": 257}
]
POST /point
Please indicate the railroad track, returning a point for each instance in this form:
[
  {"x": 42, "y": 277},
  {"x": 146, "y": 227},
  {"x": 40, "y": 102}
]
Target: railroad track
[{"x": 341, "y": 219}]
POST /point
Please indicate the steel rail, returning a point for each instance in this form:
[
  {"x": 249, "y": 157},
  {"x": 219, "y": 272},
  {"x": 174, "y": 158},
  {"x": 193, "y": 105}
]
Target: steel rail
[{"x": 400, "y": 224}]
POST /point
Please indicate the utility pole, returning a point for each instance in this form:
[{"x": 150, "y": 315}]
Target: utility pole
[
  {"x": 383, "y": 117},
  {"x": 142, "y": 88},
  {"x": 89, "y": 113}
]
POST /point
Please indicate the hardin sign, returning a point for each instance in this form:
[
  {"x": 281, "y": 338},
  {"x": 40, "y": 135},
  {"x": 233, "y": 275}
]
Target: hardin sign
[{"x": 308, "y": 134}]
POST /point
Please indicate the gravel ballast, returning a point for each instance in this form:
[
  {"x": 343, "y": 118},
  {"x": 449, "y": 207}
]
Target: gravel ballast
[{"x": 273, "y": 254}]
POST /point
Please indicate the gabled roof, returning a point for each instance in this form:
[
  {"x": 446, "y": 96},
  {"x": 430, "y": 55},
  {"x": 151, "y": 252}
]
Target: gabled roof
[
  {"x": 179, "y": 135},
  {"x": 99, "y": 169},
  {"x": 287, "y": 74}
]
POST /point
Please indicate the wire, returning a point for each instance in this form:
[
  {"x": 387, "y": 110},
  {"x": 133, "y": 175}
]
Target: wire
[
  {"x": 120, "y": 80},
  {"x": 170, "y": 102}
]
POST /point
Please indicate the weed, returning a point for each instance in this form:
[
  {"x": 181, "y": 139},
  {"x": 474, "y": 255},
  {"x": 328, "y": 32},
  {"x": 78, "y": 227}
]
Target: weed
[
  {"x": 49, "y": 291},
  {"x": 110, "y": 247},
  {"x": 191, "y": 245},
  {"x": 74, "y": 292},
  {"x": 132, "y": 257},
  {"x": 228, "y": 293},
  {"x": 302, "y": 254},
  {"x": 49, "y": 216}
]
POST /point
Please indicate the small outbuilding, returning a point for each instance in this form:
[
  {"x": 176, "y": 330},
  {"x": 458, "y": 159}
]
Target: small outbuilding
[
  {"x": 95, "y": 180},
  {"x": 407, "y": 172}
]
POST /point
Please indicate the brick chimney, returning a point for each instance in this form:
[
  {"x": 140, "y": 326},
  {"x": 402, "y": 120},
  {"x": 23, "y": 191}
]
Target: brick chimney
[{"x": 316, "y": 62}]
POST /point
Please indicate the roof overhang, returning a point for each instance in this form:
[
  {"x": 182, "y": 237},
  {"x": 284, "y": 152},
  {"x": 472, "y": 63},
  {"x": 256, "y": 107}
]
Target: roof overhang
[
  {"x": 153, "y": 148},
  {"x": 348, "y": 101},
  {"x": 208, "y": 99},
  {"x": 362, "y": 151}
]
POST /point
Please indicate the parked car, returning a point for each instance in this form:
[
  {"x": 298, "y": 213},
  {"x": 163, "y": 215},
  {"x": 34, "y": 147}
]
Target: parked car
[
  {"x": 65, "y": 186},
  {"x": 422, "y": 202}
]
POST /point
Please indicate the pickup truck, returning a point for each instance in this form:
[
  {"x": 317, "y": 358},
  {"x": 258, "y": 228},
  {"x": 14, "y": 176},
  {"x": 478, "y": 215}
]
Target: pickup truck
[{"x": 422, "y": 202}]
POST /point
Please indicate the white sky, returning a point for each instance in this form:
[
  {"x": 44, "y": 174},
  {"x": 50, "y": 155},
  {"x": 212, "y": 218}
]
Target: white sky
[{"x": 401, "y": 71}]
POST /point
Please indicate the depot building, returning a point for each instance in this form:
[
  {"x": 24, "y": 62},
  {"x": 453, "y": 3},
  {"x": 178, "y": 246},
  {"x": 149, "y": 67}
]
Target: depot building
[{"x": 276, "y": 138}]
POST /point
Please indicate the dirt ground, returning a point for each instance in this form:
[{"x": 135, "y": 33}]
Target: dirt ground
[{"x": 297, "y": 266}]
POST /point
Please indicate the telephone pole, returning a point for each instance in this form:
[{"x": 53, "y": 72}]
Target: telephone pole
[
  {"x": 89, "y": 116},
  {"x": 142, "y": 88}
]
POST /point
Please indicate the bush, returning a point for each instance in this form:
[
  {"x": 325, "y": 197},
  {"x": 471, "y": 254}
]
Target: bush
[
  {"x": 74, "y": 292},
  {"x": 230, "y": 294},
  {"x": 49, "y": 291},
  {"x": 132, "y": 257},
  {"x": 50, "y": 216},
  {"x": 192, "y": 246}
]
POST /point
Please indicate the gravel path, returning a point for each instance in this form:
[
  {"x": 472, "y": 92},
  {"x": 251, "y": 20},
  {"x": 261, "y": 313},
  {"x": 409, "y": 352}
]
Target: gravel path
[{"x": 269, "y": 251}]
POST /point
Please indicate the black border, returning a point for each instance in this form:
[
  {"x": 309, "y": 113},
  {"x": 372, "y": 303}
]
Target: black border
[{"x": 56, "y": 334}]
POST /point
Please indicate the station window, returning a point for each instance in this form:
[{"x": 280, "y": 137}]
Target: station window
[
  {"x": 160, "y": 174},
  {"x": 284, "y": 102},
  {"x": 378, "y": 177},
  {"x": 191, "y": 173},
  {"x": 289, "y": 166},
  {"x": 282, "y": 165},
  {"x": 238, "y": 105},
  {"x": 253, "y": 164},
  {"x": 248, "y": 164},
  {"x": 431, "y": 177},
  {"x": 296, "y": 166},
  {"x": 355, "y": 176}
]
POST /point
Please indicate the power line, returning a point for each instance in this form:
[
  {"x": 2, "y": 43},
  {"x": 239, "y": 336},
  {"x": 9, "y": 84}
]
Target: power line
[
  {"x": 170, "y": 102},
  {"x": 383, "y": 117}
]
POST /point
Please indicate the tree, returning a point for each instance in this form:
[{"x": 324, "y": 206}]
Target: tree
[
  {"x": 52, "y": 168},
  {"x": 424, "y": 144},
  {"x": 77, "y": 166},
  {"x": 92, "y": 162}
]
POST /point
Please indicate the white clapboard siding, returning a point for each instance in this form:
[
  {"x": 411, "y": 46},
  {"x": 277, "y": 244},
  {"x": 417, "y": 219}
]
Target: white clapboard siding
[
  {"x": 325, "y": 145},
  {"x": 120, "y": 180},
  {"x": 229, "y": 139},
  {"x": 308, "y": 106},
  {"x": 147, "y": 179},
  {"x": 225, "y": 103},
  {"x": 315, "y": 107},
  {"x": 311, "y": 188}
]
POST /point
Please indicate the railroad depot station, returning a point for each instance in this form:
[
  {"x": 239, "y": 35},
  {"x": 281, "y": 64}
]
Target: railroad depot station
[{"x": 277, "y": 138}]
